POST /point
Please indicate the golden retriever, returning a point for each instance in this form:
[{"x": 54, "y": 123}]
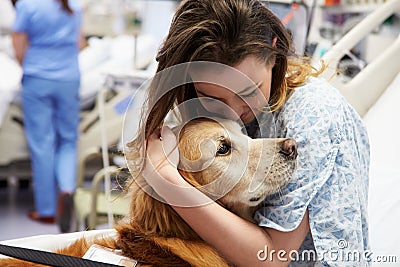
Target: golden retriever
[{"x": 153, "y": 233}]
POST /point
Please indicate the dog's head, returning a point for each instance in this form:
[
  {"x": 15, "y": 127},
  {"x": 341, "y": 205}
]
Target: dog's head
[{"x": 226, "y": 164}]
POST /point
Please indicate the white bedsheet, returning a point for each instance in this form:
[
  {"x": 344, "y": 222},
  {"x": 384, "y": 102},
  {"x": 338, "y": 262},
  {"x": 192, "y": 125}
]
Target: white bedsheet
[{"x": 384, "y": 196}]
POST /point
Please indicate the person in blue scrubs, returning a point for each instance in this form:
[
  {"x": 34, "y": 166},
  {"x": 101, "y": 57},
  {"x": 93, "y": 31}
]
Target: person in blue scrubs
[{"x": 46, "y": 40}]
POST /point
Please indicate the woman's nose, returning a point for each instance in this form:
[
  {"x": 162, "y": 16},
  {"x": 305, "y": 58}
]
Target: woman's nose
[{"x": 237, "y": 106}]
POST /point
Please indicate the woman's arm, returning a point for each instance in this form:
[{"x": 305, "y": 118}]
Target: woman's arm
[
  {"x": 242, "y": 242},
  {"x": 236, "y": 239},
  {"x": 20, "y": 44}
]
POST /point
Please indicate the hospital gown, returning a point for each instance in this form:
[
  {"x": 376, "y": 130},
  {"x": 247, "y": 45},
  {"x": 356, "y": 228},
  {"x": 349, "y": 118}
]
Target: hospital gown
[{"x": 331, "y": 180}]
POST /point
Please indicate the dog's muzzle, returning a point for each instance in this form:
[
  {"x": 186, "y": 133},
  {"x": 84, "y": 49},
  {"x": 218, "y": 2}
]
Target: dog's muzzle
[{"x": 289, "y": 148}]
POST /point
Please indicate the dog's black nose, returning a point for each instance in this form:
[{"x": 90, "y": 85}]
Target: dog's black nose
[{"x": 289, "y": 148}]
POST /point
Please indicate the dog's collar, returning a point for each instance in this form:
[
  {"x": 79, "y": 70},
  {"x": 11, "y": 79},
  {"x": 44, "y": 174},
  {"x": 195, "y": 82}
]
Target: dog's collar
[{"x": 58, "y": 260}]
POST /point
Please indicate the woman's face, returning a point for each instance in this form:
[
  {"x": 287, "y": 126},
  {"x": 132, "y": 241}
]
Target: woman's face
[{"x": 235, "y": 93}]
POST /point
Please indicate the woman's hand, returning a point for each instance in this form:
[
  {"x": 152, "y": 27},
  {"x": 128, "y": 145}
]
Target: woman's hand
[
  {"x": 161, "y": 173},
  {"x": 162, "y": 152},
  {"x": 162, "y": 158}
]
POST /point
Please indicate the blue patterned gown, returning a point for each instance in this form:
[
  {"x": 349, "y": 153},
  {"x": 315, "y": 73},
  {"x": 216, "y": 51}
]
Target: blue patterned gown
[{"x": 332, "y": 176}]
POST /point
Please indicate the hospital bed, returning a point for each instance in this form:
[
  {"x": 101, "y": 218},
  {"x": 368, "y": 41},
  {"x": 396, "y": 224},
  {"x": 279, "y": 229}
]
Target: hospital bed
[{"x": 375, "y": 94}]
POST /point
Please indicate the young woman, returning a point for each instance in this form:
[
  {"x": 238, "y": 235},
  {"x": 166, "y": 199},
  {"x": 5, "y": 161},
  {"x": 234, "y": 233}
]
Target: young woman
[
  {"x": 323, "y": 210},
  {"x": 46, "y": 39}
]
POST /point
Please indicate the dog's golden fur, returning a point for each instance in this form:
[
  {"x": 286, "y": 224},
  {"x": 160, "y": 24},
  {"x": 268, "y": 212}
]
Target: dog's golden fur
[{"x": 154, "y": 233}]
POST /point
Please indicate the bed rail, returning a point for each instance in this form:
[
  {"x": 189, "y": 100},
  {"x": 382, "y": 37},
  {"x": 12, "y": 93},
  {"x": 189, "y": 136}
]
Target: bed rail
[{"x": 368, "y": 85}]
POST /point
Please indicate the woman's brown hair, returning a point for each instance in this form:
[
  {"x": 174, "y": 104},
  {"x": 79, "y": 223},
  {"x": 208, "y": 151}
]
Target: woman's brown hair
[
  {"x": 226, "y": 32},
  {"x": 66, "y": 7}
]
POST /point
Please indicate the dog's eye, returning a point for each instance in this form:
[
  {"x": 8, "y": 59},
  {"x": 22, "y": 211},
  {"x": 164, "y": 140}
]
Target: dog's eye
[{"x": 223, "y": 149}]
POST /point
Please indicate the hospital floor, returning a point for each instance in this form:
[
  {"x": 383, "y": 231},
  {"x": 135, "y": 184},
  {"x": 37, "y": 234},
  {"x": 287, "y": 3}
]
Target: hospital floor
[{"x": 16, "y": 200}]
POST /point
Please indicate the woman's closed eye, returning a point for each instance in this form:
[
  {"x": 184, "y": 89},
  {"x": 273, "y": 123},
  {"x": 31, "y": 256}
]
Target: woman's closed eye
[
  {"x": 251, "y": 94},
  {"x": 208, "y": 99}
]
